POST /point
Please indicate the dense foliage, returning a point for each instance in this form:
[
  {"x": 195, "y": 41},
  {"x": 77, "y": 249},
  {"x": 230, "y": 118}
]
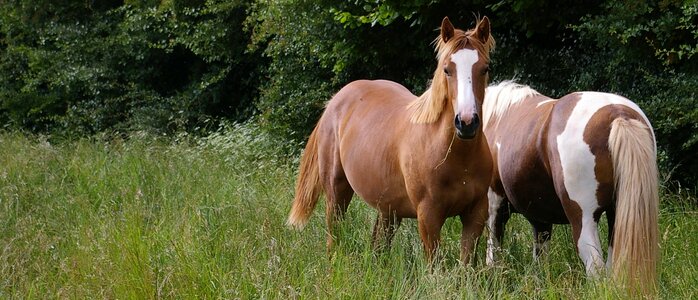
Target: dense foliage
[
  {"x": 80, "y": 67},
  {"x": 90, "y": 66}
]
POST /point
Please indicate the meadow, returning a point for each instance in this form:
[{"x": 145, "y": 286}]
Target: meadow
[{"x": 150, "y": 217}]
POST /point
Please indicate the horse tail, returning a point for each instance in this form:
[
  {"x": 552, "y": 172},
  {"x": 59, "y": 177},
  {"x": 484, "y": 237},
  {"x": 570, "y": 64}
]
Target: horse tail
[
  {"x": 308, "y": 186},
  {"x": 635, "y": 234}
]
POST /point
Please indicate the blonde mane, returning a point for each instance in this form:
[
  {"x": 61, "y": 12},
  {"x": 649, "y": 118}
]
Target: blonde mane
[
  {"x": 502, "y": 96},
  {"x": 428, "y": 107}
]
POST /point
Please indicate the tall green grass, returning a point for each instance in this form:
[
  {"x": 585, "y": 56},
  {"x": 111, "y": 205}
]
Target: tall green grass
[{"x": 186, "y": 217}]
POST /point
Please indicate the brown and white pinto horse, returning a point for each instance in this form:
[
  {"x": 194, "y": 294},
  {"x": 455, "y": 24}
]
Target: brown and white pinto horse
[
  {"x": 399, "y": 152},
  {"x": 568, "y": 161}
]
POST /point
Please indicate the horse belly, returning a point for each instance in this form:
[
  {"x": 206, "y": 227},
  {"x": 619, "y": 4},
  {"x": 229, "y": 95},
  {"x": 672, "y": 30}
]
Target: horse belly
[
  {"x": 377, "y": 183},
  {"x": 531, "y": 191},
  {"x": 538, "y": 203}
]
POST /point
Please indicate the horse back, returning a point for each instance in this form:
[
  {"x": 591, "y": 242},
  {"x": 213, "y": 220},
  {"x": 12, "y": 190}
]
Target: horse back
[{"x": 361, "y": 133}]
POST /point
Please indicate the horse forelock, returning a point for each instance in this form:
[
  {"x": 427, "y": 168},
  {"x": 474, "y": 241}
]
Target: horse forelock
[
  {"x": 461, "y": 39},
  {"x": 428, "y": 107},
  {"x": 501, "y": 97}
]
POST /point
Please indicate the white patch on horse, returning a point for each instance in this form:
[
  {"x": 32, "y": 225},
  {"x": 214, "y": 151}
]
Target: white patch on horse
[
  {"x": 545, "y": 102},
  {"x": 615, "y": 99},
  {"x": 495, "y": 201},
  {"x": 500, "y": 97},
  {"x": 589, "y": 245},
  {"x": 578, "y": 170},
  {"x": 464, "y": 60}
]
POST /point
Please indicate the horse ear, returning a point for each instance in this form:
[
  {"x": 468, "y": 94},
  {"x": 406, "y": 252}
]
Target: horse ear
[
  {"x": 483, "y": 30},
  {"x": 447, "y": 30}
]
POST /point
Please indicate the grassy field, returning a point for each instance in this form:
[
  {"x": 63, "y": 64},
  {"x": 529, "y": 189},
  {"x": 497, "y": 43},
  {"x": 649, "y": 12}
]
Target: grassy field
[{"x": 183, "y": 217}]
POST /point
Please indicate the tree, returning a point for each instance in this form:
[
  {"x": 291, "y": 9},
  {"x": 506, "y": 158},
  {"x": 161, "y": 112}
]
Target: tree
[{"x": 109, "y": 65}]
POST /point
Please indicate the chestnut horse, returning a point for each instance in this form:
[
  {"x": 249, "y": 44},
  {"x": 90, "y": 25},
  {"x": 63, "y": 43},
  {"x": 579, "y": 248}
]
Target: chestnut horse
[
  {"x": 399, "y": 153},
  {"x": 568, "y": 161}
]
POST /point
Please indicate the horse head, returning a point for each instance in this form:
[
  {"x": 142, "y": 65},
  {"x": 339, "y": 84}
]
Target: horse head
[{"x": 462, "y": 73}]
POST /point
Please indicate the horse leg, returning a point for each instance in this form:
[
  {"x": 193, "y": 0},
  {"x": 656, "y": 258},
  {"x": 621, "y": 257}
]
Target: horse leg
[
  {"x": 384, "y": 230},
  {"x": 337, "y": 203},
  {"x": 611, "y": 218},
  {"x": 498, "y": 216},
  {"x": 586, "y": 235},
  {"x": 541, "y": 236},
  {"x": 473, "y": 224},
  {"x": 430, "y": 220}
]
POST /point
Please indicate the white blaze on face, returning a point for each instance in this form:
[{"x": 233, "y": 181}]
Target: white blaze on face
[{"x": 464, "y": 60}]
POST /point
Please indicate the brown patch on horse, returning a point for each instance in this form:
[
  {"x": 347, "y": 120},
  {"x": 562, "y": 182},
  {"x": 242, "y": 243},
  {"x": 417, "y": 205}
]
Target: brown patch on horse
[
  {"x": 526, "y": 177},
  {"x": 596, "y": 136}
]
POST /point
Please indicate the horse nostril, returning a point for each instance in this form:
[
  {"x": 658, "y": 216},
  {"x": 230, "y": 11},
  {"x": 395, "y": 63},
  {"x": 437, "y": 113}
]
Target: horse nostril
[
  {"x": 476, "y": 121},
  {"x": 467, "y": 130},
  {"x": 459, "y": 123}
]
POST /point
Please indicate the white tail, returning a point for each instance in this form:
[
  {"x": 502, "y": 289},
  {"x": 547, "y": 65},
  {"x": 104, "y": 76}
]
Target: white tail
[{"x": 635, "y": 245}]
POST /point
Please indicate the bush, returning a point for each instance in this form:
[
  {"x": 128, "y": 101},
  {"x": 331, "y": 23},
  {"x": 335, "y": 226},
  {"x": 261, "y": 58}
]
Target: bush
[
  {"x": 103, "y": 65},
  {"x": 646, "y": 51}
]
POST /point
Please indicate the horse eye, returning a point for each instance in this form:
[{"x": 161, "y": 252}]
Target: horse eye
[
  {"x": 448, "y": 73},
  {"x": 486, "y": 70}
]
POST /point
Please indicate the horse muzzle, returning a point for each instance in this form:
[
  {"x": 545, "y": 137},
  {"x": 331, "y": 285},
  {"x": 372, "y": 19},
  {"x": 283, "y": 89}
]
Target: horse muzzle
[{"x": 467, "y": 130}]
